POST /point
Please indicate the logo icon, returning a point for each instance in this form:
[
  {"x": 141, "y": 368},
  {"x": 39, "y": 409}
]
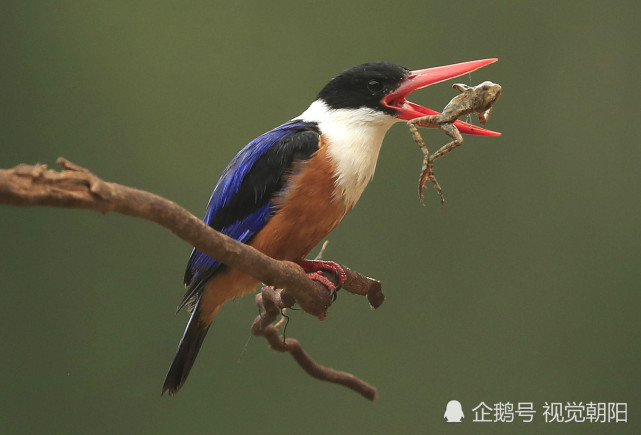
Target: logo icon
[{"x": 453, "y": 411}]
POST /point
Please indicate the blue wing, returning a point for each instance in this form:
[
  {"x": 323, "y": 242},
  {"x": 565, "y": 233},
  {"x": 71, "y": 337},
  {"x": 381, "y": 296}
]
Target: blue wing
[{"x": 242, "y": 201}]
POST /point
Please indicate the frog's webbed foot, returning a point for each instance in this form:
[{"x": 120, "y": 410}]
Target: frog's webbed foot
[{"x": 427, "y": 173}]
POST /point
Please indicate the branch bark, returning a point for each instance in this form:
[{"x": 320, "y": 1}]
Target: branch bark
[
  {"x": 273, "y": 302},
  {"x": 76, "y": 187}
]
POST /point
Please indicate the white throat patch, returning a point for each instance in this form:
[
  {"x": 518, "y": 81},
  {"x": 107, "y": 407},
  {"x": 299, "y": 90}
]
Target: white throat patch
[{"x": 354, "y": 140}]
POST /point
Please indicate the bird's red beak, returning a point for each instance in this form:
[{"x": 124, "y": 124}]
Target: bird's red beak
[{"x": 424, "y": 77}]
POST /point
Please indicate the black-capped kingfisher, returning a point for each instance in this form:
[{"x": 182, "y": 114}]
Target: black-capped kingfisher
[{"x": 288, "y": 188}]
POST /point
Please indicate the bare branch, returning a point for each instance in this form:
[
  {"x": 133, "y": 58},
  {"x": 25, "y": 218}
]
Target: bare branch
[
  {"x": 76, "y": 187},
  {"x": 272, "y": 303}
]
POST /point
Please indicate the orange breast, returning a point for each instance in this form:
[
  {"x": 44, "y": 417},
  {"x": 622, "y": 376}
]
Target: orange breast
[{"x": 307, "y": 212}]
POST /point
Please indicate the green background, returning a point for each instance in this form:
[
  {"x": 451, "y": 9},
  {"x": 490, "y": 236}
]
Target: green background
[{"x": 525, "y": 289}]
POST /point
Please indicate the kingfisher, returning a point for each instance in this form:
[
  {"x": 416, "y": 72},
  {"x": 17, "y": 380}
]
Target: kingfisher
[{"x": 289, "y": 188}]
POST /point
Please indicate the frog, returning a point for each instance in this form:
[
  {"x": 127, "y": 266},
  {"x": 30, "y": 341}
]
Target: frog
[{"x": 479, "y": 100}]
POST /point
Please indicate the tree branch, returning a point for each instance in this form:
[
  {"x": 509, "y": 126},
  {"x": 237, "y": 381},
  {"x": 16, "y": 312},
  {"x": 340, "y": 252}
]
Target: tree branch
[
  {"x": 76, "y": 187},
  {"x": 273, "y": 302}
]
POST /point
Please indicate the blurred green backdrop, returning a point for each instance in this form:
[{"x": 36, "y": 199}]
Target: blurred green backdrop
[{"x": 526, "y": 289}]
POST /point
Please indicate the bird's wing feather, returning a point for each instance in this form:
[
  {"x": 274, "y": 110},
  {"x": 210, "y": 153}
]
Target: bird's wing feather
[{"x": 242, "y": 201}]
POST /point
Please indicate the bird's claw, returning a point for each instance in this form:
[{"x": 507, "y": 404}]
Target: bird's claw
[{"x": 314, "y": 270}]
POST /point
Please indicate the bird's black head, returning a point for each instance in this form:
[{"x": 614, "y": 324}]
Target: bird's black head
[{"x": 364, "y": 86}]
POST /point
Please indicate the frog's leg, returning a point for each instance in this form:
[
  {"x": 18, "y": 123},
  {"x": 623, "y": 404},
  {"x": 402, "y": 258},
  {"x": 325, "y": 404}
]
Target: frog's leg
[
  {"x": 452, "y": 132},
  {"x": 427, "y": 171}
]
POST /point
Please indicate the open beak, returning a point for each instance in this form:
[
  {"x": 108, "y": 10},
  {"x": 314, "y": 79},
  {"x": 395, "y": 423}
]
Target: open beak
[{"x": 424, "y": 77}]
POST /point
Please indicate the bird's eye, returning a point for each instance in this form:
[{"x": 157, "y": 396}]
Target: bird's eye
[{"x": 374, "y": 86}]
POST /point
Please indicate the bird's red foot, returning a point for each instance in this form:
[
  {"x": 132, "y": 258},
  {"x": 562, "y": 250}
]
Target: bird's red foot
[{"x": 314, "y": 270}]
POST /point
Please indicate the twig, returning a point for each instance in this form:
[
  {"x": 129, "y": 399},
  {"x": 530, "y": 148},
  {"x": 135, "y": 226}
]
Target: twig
[{"x": 272, "y": 302}]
